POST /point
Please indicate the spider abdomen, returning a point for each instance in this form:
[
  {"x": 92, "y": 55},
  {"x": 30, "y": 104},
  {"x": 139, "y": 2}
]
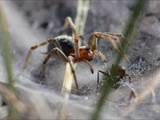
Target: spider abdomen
[{"x": 64, "y": 43}]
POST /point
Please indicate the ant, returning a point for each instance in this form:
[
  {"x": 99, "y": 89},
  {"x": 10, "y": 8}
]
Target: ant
[{"x": 69, "y": 49}]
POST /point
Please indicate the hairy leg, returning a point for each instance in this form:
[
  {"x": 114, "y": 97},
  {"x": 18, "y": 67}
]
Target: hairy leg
[
  {"x": 101, "y": 56},
  {"x": 90, "y": 66},
  {"x": 98, "y": 79},
  {"x": 75, "y": 35},
  {"x": 113, "y": 38},
  {"x": 32, "y": 48},
  {"x": 60, "y": 53}
]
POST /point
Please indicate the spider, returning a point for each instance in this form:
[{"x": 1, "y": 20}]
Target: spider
[{"x": 69, "y": 49}]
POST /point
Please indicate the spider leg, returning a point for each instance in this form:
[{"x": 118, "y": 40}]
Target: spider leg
[
  {"x": 69, "y": 23},
  {"x": 31, "y": 50},
  {"x": 90, "y": 66},
  {"x": 50, "y": 54},
  {"x": 101, "y": 56},
  {"x": 113, "y": 38},
  {"x": 115, "y": 34},
  {"x": 60, "y": 53},
  {"x": 45, "y": 62},
  {"x": 75, "y": 35}
]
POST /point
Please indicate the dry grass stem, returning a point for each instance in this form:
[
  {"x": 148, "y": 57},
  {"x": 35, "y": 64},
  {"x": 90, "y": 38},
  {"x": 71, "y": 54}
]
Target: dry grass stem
[
  {"x": 12, "y": 99},
  {"x": 82, "y": 12}
]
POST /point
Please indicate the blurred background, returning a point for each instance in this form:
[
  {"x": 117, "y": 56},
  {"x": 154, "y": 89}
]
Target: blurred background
[{"x": 33, "y": 21}]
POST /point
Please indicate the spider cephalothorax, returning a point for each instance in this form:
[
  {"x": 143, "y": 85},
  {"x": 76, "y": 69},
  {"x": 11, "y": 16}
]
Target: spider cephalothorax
[
  {"x": 85, "y": 53},
  {"x": 69, "y": 49}
]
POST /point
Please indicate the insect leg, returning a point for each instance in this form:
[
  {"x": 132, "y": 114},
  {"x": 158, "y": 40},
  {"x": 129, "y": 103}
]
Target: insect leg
[
  {"x": 102, "y": 72},
  {"x": 133, "y": 93}
]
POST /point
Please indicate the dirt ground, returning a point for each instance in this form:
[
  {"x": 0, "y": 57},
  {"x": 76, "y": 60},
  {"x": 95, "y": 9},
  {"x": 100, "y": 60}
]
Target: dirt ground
[{"x": 46, "y": 17}]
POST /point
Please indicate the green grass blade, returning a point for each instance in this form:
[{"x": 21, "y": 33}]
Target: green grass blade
[
  {"x": 129, "y": 32},
  {"x": 6, "y": 53},
  {"x": 5, "y": 47}
]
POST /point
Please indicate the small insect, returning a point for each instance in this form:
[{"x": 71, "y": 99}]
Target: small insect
[
  {"x": 119, "y": 74},
  {"x": 69, "y": 49}
]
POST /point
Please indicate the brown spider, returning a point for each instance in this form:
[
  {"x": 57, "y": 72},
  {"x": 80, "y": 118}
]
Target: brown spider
[{"x": 68, "y": 47}]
